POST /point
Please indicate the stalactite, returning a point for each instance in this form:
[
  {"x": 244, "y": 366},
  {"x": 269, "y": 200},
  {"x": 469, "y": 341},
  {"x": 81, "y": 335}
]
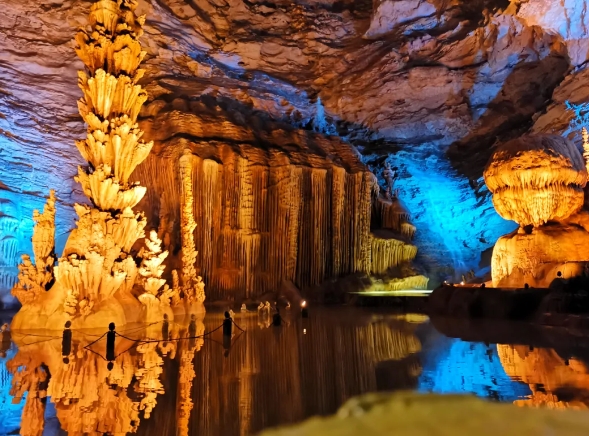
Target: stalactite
[
  {"x": 585, "y": 134},
  {"x": 294, "y": 219},
  {"x": 337, "y": 222},
  {"x": 394, "y": 216},
  {"x": 399, "y": 284},
  {"x": 264, "y": 220},
  {"x": 389, "y": 252}
]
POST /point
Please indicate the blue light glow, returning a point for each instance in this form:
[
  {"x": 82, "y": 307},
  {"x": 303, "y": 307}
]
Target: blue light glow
[
  {"x": 10, "y": 413},
  {"x": 454, "y": 226},
  {"x": 458, "y": 367}
]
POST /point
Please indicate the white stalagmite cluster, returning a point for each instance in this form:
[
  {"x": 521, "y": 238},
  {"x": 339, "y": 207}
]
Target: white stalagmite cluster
[
  {"x": 536, "y": 179},
  {"x": 97, "y": 272}
]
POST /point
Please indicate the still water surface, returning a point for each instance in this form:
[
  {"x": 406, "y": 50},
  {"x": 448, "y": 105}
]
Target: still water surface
[{"x": 266, "y": 376}]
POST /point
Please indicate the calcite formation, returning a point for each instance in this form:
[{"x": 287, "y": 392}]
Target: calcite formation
[
  {"x": 538, "y": 182},
  {"x": 269, "y": 216},
  {"x": 536, "y": 179},
  {"x": 537, "y": 258},
  {"x": 94, "y": 281},
  {"x": 431, "y": 85}
]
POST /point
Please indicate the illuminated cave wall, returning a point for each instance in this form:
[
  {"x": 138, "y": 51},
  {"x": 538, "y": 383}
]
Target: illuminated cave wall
[
  {"x": 263, "y": 217},
  {"x": 431, "y": 89}
]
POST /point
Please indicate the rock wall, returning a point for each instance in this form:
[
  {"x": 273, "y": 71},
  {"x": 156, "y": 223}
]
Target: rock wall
[{"x": 263, "y": 218}]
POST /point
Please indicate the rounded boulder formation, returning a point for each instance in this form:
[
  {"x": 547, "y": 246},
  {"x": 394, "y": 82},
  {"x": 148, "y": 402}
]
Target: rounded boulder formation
[{"x": 536, "y": 178}]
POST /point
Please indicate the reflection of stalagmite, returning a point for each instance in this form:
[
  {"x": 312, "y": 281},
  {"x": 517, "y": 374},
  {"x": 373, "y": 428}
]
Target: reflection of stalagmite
[
  {"x": 34, "y": 384},
  {"x": 186, "y": 377},
  {"x": 89, "y": 397},
  {"x": 148, "y": 376},
  {"x": 546, "y": 372}
]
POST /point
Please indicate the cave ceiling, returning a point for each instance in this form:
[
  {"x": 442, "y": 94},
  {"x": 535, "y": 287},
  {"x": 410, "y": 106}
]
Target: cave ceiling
[{"x": 430, "y": 85}]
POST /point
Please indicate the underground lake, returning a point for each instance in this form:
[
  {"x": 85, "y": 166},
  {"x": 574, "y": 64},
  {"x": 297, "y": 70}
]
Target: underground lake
[{"x": 271, "y": 375}]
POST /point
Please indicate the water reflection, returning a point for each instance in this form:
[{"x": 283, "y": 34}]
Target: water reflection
[
  {"x": 92, "y": 394},
  {"x": 555, "y": 381},
  {"x": 161, "y": 384},
  {"x": 264, "y": 377}
]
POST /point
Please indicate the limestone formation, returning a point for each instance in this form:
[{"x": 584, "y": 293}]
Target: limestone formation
[
  {"x": 265, "y": 217},
  {"x": 96, "y": 275},
  {"x": 536, "y": 179},
  {"x": 394, "y": 79},
  {"x": 537, "y": 258},
  {"x": 35, "y": 279}
]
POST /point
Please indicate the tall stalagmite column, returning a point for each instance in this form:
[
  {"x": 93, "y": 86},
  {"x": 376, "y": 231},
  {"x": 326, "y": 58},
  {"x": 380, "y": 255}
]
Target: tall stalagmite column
[
  {"x": 97, "y": 271},
  {"x": 192, "y": 285},
  {"x": 97, "y": 261}
]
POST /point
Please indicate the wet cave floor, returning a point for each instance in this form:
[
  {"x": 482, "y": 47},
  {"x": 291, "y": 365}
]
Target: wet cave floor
[{"x": 266, "y": 376}]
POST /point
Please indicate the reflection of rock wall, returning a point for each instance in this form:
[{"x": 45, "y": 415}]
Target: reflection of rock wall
[
  {"x": 305, "y": 368},
  {"x": 554, "y": 382}
]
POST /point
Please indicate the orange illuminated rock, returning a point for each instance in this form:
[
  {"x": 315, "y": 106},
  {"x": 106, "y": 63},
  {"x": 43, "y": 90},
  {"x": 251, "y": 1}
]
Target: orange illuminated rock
[
  {"x": 536, "y": 179},
  {"x": 93, "y": 283},
  {"x": 536, "y": 258},
  {"x": 548, "y": 374}
]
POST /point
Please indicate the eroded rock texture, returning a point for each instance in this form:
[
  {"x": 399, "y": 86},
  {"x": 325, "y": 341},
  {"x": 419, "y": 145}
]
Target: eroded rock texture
[
  {"x": 536, "y": 179},
  {"x": 430, "y": 86}
]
